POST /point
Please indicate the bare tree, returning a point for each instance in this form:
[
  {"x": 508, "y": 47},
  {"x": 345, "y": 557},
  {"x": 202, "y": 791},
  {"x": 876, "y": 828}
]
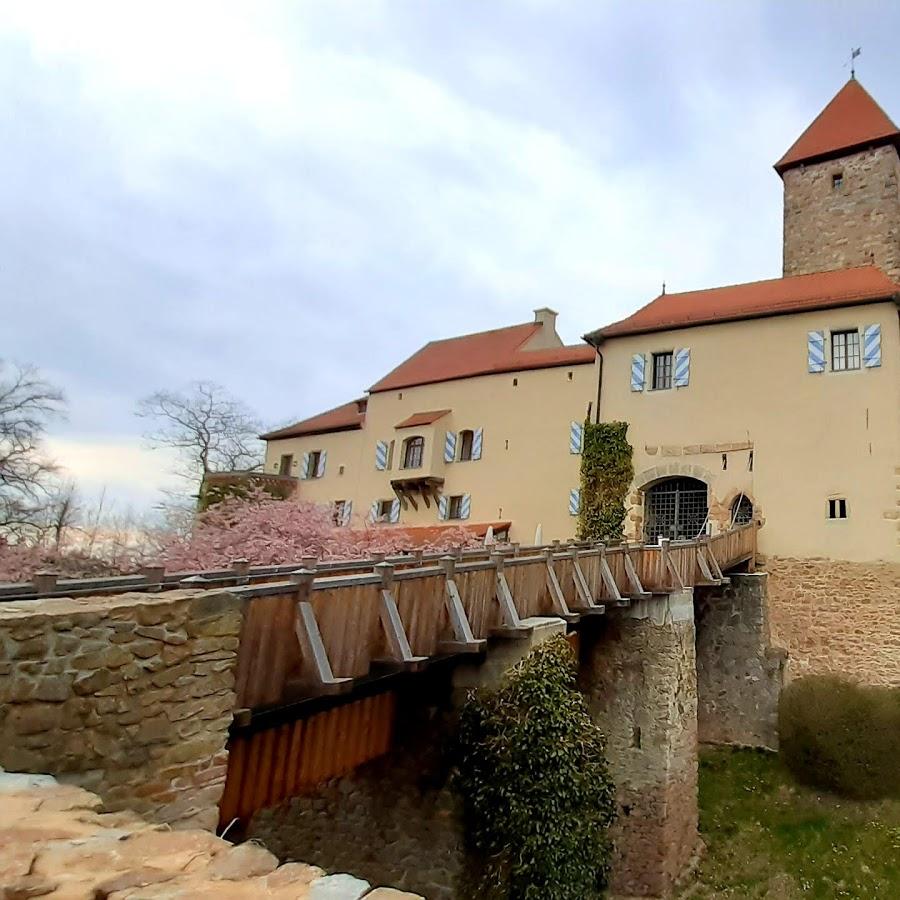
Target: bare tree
[
  {"x": 27, "y": 404},
  {"x": 212, "y": 431}
]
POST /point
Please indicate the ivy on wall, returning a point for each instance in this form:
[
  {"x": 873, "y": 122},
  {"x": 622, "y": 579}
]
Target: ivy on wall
[
  {"x": 537, "y": 796},
  {"x": 606, "y": 473}
]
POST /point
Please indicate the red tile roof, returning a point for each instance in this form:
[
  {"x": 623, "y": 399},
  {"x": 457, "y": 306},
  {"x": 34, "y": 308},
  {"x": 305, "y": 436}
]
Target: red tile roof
[
  {"x": 422, "y": 418},
  {"x": 852, "y": 120},
  {"x": 484, "y": 353},
  {"x": 796, "y": 293},
  {"x": 342, "y": 418}
]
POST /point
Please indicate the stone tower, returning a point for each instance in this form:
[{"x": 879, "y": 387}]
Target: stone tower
[{"x": 842, "y": 189}]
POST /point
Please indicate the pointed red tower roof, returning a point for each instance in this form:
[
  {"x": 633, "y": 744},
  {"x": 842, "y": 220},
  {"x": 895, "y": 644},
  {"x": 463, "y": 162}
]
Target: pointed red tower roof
[{"x": 851, "y": 121}]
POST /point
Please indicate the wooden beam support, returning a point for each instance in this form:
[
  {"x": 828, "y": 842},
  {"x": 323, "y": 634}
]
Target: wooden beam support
[
  {"x": 315, "y": 656},
  {"x": 612, "y": 589},
  {"x": 398, "y": 644},
  {"x": 669, "y": 564},
  {"x": 512, "y": 625},
  {"x": 464, "y": 641},
  {"x": 637, "y": 591},
  {"x": 585, "y": 600},
  {"x": 557, "y": 598},
  {"x": 705, "y": 570}
]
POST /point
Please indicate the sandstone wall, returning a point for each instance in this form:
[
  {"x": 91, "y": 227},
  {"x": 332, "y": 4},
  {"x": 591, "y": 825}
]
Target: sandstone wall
[
  {"x": 837, "y": 617},
  {"x": 739, "y": 673},
  {"x": 129, "y": 696},
  {"x": 856, "y": 224}
]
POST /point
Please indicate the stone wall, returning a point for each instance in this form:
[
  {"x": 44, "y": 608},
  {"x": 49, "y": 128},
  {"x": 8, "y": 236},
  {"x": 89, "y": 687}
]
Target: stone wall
[
  {"x": 837, "y": 617},
  {"x": 739, "y": 673},
  {"x": 639, "y": 673},
  {"x": 58, "y": 842},
  {"x": 856, "y": 224},
  {"x": 129, "y": 696}
]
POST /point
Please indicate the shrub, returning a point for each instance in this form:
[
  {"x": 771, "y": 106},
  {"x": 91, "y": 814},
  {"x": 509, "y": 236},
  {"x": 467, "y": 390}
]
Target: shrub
[
  {"x": 537, "y": 796},
  {"x": 606, "y": 473},
  {"x": 842, "y": 736}
]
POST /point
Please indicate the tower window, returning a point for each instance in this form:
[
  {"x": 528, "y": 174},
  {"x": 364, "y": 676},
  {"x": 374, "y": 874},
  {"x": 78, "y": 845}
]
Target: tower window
[
  {"x": 662, "y": 371},
  {"x": 844, "y": 350},
  {"x": 837, "y": 508},
  {"x": 837, "y": 180}
]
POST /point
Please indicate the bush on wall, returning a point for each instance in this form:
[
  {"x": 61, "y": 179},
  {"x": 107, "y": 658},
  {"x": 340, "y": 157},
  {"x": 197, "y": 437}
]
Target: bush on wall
[
  {"x": 606, "y": 473},
  {"x": 537, "y": 796},
  {"x": 842, "y": 736}
]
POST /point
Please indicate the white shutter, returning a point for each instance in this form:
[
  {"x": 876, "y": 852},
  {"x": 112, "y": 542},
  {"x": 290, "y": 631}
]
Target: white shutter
[
  {"x": 872, "y": 346},
  {"x": 576, "y": 437},
  {"x": 304, "y": 468},
  {"x": 815, "y": 351},
  {"x": 395, "y": 511},
  {"x": 682, "y": 367},
  {"x": 348, "y": 512},
  {"x": 381, "y": 453},
  {"x": 637, "y": 372},
  {"x": 477, "y": 441},
  {"x": 574, "y": 501},
  {"x": 320, "y": 469},
  {"x": 373, "y": 512},
  {"x": 450, "y": 446},
  {"x": 465, "y": 506},
  {"x": 443, "y": 508}
]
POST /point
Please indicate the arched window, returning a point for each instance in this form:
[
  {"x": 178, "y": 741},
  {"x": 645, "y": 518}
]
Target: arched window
[
  {"x": 741, "y": 510},
  {"x": 413, "y": 451},
  {"x": 676, "y": 508},
  {"x": 465, "y": 445}
]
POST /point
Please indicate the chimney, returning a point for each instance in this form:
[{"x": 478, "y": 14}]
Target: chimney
[{"x": 546, "y": 317}]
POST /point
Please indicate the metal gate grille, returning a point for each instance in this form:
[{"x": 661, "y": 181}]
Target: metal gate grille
[{"x": 675, "y": 509}]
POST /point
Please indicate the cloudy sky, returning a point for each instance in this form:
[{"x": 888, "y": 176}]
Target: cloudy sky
[{"x": 289, "y": 198}]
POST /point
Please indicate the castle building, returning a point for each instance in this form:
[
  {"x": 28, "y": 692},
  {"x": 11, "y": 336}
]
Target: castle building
[{"x": 777, "y": 399}]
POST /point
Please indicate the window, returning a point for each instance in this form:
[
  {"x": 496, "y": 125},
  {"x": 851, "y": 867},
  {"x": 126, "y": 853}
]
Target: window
[
  {"x": 384, "y": 510},
  {"x": 675, "y": 508},
  {"x": 465, "y": 445},
  {"x": 844, "y": 350},
  {"x": 741, "y": 510},
  {"x": 837, "y": 180},
  {"x": 287, "y": 460},
  {"x": 837, "y": 508},
  {"x": 515, "y": 382},
  {"x": 312, "y": 463},
  {"x": 338, "y": 511},
  {"x": 412, "y": 452},
  {"x": 662, "y": 371},
  {"x": 454, "y": 511}
]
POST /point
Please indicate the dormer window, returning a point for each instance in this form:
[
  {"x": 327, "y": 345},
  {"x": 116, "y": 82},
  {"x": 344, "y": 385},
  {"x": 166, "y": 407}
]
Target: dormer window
[{"x": 413, "y": 450}]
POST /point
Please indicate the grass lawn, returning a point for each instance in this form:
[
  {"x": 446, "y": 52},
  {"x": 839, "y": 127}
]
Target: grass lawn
[{"x": 768, "y": 837}]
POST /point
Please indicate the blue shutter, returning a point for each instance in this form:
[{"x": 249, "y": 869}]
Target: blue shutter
[
  {"x": 450, "y": 446},
  {"x": 574, "y": 501},
  {"x": 682, "y": 367},
  {"x": 815, "y": 351},
  {"x": 381, "y": 451},
  {"x": 320, "y": 470},
  {"x": 348, "y": 512},
  {"x": 477, "y": 441},
  {"x": 443, "y": 507},
  {"x": 465, "y": 506},
  {"x": 373, "y": 512},
  {"x": 304, "y": 468},
  {"x": 576, "y": 437},
  {"x": 395, "y": 511},
  {"x": 872, "y": 346},
  {"x": 637, "y": 372}
]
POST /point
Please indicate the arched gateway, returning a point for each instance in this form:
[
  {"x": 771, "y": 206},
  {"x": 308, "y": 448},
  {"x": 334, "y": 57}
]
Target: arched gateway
[{"x": 675, "y": 508}]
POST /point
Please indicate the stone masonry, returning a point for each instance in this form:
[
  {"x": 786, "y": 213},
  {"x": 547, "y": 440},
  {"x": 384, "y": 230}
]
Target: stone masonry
[
  {"x": 639, "y": 672},
  {"x": 739, "y": 673},
  {"x": 838, "y": 618},
  {"x": 57, "y": 841},
  {"x": 854, "y": 224},
  {"x": 129, "y": 696}
]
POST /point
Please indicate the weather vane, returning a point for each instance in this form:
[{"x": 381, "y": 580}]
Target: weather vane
[{"x": 854, "y": 52}]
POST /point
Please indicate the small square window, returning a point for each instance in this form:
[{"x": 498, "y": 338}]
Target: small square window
[
  {"x": 844, "y": 350},
  {"x": 284, "y": 467},
  {"x": 662, "y": 371},
  {"x": 338, "y": 511},
  {"x": 455, "y": 510},
  {"x": 384, "y": 510},
  {"x": 837, "y": 508},
  {"x": 837, "y": 180}
]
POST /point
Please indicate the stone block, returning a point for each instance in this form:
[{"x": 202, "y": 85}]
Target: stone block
[
  {"x": 338, "y": 887},
  {"x": 244, "y": 861}
]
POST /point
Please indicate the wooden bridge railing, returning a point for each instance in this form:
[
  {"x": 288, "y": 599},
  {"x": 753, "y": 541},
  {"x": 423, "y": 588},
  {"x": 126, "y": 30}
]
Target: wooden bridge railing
[{"x": 321, "y": 632}]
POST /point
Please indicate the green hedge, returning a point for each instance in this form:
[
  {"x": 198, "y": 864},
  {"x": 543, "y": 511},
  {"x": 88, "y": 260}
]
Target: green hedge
[
  {"x": 537, "y": 795},
  {"x": 842, "y": 736}
]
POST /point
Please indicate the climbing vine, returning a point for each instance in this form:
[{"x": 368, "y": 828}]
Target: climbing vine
[
  {"x": 606, "y": 473},
  {"x": 537, "y": 796}
]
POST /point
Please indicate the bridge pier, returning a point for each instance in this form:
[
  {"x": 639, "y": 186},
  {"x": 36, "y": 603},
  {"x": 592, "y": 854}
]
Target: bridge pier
[{"x": 639, "y": 673}]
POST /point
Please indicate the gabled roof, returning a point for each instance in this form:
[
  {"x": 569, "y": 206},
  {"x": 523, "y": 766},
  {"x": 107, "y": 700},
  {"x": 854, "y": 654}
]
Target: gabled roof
[
  {"x": 484, "y": 353},
  {"x": 423, "y": 418},
  {"x": 777, "y": 296},
  {"x": 342, "y": 418},
  {"x": 851, "y": 121}
]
